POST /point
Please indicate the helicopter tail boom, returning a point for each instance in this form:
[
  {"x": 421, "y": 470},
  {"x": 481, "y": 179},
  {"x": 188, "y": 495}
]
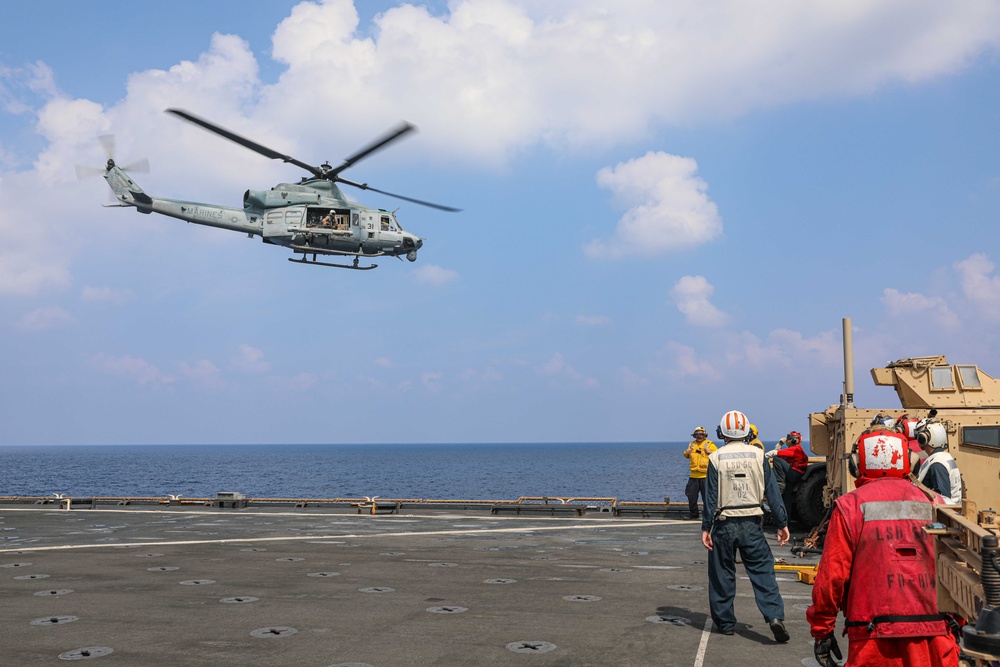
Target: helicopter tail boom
[
  {"x": 128, "y": 193},
  {"x": 125, "y": 189}
]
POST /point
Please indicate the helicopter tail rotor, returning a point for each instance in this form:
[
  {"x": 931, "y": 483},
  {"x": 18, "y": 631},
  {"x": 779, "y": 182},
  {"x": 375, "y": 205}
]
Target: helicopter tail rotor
[{"x": 107, "y": 142}]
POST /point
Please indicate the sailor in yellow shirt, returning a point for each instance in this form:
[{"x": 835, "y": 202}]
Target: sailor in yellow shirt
[{"x": 697, "y": 455}]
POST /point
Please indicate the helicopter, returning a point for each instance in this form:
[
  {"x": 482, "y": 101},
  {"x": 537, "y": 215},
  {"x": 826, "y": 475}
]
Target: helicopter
[{"x": 311, "y": 217}]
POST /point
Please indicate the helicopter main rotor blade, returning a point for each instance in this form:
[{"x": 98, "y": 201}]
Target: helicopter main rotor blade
[
  {"x": 246, "y": 143},
  {"x": 365, "y": 186},
  {"x": 378, "y": 144}
]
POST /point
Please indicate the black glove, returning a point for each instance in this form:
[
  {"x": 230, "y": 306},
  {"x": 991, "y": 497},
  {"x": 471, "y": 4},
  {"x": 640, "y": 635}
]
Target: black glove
[{"x": 823, "y": 648}]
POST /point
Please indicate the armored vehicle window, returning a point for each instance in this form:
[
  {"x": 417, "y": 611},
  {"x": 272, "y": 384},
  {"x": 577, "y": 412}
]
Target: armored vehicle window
[
  {"x": 968, "y": 377},
  {"x": 982, "y": 436},
  {"x": 942, "y": 379}
]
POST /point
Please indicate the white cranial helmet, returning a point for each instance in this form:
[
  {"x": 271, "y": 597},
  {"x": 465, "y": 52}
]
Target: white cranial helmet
[
  {"x": 734, "y": 425},
  {"x": 931, "y": 433}
]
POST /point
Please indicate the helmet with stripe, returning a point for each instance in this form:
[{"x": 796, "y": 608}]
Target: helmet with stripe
[{"x": 734, "y": 425}]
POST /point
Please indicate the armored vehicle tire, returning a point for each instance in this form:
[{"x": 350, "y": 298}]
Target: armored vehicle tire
[{"x": 809, "y": 497}]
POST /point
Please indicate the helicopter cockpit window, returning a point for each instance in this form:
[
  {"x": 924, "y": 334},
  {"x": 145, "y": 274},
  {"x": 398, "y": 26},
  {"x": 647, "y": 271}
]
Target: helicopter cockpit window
[
  {"x": 385, "y": 223},
  {"x": 968, "y": 377},
  {"x": 942, "y": 379}
]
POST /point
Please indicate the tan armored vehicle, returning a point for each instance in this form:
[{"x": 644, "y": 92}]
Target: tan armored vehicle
[{"x": 966, "y": 402}]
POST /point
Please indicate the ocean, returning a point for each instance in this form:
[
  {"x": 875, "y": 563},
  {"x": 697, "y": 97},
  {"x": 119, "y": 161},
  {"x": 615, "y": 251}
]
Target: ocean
[{"x": 628, "y": 471}]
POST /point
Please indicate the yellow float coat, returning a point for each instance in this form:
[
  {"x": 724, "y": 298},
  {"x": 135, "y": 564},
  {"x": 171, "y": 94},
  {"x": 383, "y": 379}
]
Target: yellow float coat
[{"x": 697, "y": 455}]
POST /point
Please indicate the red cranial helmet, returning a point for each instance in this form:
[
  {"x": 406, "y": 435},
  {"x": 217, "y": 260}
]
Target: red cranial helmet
[
  {"x": 907, "y": 426},
  {"x": 880, "y": 454},
  {"x": 793, "y": 438}
]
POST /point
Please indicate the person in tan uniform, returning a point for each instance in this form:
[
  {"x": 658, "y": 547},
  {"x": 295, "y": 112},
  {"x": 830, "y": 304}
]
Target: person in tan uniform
[{"x": 697, "y": 454}]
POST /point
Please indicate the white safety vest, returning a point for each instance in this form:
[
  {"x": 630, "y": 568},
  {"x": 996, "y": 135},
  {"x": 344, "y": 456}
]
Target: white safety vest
[
  {"x": 954, "y": 476},
  {"x": 741, "y": 480}
]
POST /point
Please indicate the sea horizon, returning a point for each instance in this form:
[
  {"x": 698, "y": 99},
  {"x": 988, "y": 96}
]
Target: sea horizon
[{"x": 645, "y": 471}]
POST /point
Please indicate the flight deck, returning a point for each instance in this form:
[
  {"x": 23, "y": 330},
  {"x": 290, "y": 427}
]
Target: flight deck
[{"x": 323, "y": 586}]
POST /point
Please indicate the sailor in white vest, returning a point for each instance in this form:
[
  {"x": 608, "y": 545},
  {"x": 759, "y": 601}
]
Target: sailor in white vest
[
  {"x": 939, "y": 471},
  {"x": 738, "y": 482}
]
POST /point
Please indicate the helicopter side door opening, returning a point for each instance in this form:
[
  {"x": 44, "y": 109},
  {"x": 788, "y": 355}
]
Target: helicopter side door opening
[
  {"x": 327, "y": 229},
  {"x": 332, "y": 219}
]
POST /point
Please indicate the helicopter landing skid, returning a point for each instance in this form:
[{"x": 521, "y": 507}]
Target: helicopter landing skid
[{"x": 336, "y": 266}]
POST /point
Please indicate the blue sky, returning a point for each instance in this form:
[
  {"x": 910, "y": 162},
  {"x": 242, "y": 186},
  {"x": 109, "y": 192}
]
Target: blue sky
[{"x": 668, "y": 208}]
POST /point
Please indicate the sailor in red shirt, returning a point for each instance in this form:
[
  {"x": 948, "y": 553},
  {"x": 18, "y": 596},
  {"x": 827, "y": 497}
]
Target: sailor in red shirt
[
  {"x": 878, "y": 567},
  {"x": 794, "y": 454},
  {"x": 790, "y": 465}
]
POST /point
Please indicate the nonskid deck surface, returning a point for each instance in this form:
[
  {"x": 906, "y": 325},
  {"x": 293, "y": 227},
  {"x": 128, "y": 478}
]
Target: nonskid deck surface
[{"x": 177, "y": 586}]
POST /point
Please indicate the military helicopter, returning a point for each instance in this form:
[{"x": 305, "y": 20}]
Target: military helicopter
[{"x": 312, "y": 217}]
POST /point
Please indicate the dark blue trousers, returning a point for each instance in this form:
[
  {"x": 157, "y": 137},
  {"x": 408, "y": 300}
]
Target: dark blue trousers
[{"x": 743, "y": 534}]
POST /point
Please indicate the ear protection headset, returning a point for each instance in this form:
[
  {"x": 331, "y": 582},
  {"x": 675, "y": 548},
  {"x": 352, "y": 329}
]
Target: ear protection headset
[{"x": 931, "y": 434}]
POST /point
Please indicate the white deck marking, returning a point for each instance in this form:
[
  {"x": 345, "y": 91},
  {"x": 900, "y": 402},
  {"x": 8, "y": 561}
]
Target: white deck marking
[
  {"x": 296, "y": 538},
  {"x": 699, "y": 658}
]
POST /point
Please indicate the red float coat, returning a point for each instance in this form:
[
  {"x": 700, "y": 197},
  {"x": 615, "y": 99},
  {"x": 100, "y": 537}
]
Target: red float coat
[
  {"x": 878, "y": 566},
  {"x": 796, "y": 456}
]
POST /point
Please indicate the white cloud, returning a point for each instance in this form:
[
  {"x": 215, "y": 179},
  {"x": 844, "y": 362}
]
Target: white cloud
[
  {"x": 250, "y": 360},
  {"x": 691, "y": 296},
  {"x": 26, "y": 268},
  {"x": 485, "y": 80},
  {"x": 557, "y": 367},
  {"x": 687, "y": 364},
  {"x": 432, "y": 380},
  {"x": 203, "y": 372},
  {"x": 978, "y": 299},
  {"x": 580, "y": 73},
  {"x": 478, "y": 378},
  {"x": 668, "y": 209},
  {"x": 978, "y": 285},
  {"x": 20, "y": 85},
  {"x": 105, "y": 295},
  {"x": 384, "y": 362},
  {"x": 295, "y": 383},
  {"x": 132, "y": 368},
  {"x": 430, "y": 274},
  {"x": 782, "y": 347},
  {"x": 742, "y": 353},
  {"x": 630, "y": 378},
  {"x": 593, "y": 320},
  {"x": 913, "y": 304},
  {"x": 49, "y": 317}
]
